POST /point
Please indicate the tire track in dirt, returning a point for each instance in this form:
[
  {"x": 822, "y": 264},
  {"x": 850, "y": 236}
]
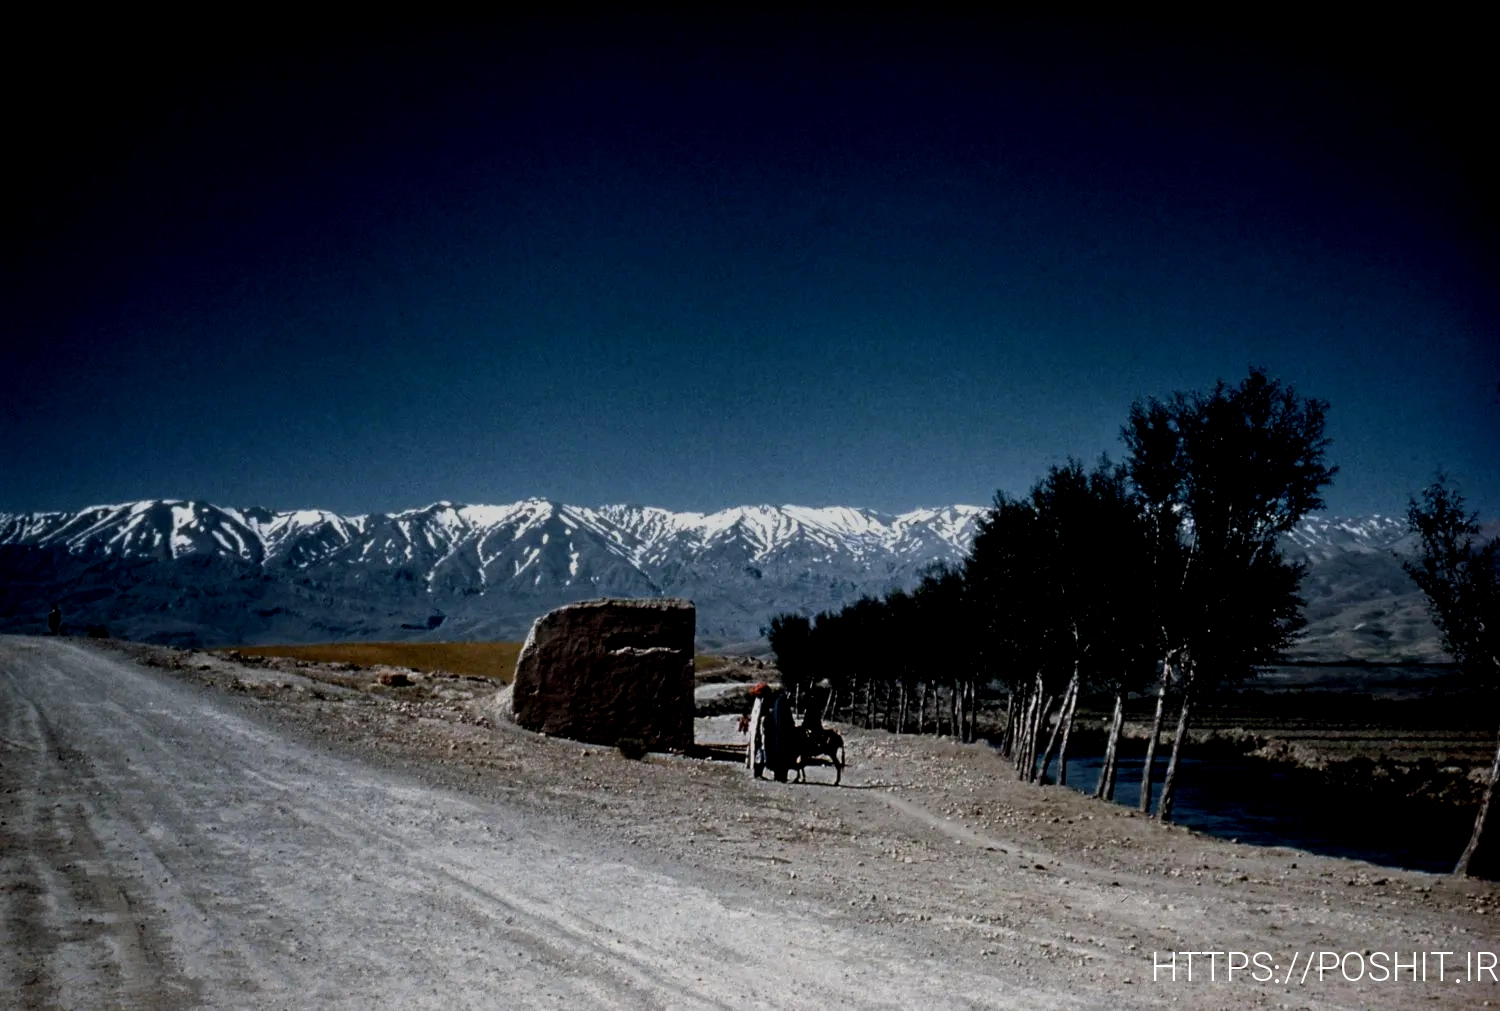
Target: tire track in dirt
[
  {"x": 268, "y": 872},
  {"x": 105, "y": 944}
]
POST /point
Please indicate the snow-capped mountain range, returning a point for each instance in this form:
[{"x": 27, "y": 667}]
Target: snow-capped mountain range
[
  {"x": 193, "y": 572},
  {"x": 491, "y": 544},
  {"x": 488, "y": 570}
]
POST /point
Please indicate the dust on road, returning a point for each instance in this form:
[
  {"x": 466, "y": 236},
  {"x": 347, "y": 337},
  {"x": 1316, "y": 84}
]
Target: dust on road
[{"x": 202, "y": 833}]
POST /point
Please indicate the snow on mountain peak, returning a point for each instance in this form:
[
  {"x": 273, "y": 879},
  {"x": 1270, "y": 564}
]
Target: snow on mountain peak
[
  {"x": 1373, "y": 532},
  {"x": 492, "y": 568},
  {"x": 642, "y": 535}
]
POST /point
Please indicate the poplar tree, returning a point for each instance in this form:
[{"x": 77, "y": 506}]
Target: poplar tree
[
  {"x": 1225, "y": 474},
  {"x": 1459, "y": 576},
  {"x": 790, "y": 637},
  {"x": 1007, "y": 575}
]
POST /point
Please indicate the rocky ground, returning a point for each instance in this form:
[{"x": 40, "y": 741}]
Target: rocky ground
[{"x": 984, "y": 890}]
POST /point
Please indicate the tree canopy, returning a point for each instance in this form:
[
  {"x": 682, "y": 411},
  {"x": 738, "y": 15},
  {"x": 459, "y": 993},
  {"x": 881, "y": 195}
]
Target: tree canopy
[
  {"x": 1458, "y": 574},
  {"x": 1221, "y": 476}
]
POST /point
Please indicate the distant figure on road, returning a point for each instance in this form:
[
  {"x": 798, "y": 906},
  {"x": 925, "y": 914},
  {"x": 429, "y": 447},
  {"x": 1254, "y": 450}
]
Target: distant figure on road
[
  {"x": 781, "y": 736},
  {"x": 755, "y": 725},
  {"x": 54, "y": 620},
  {"x": 773, "y": 732}
]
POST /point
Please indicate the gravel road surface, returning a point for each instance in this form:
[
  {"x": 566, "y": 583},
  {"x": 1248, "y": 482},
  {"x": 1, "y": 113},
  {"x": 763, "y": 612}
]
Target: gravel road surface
[
  {"x": 163, "y": 851},
  {"x": 183, "y": 835}
]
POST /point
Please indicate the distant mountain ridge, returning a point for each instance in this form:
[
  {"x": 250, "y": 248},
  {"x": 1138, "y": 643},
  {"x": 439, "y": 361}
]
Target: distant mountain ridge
[{"x": 194, "y": 572}]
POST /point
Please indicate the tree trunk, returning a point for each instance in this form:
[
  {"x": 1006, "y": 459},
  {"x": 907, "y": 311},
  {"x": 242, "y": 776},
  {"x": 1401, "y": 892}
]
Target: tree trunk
[
  {"x": 1023, "y": 720},
  {"x": 901, "y": 711},
  {"x": 1010, "y": 716},
  {"x": 1044, "y": 716},
  {"x": 922, "y": 709},
  {"x": 1161, "y": 702},
  {"x": 1462, "y": 870},
  {"x": 1023, "y": 731},
  {"x": 1016, "y": 708},
  {"x": 1062, "y": 754},
  {"x": 953, "y": 709},
  {"x": 1106, "y": 788},
  {"x": 830, "y": 708},
  {"x": 1062, "y": 713},
  {"x": 1023, "y": 727},
  {"x": 1169, "y": 785},
  {"x": 1027, "y": 730},
  {"x": 1039, "y": 714},
  {"x": 1034, "y": 735}
]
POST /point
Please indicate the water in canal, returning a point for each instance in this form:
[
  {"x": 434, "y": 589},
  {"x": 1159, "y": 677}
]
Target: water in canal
[{"x": 1254, "y": 802}]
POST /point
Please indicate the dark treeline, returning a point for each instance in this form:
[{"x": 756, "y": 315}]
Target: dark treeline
[
  {"x": 906, "y": 662},
  {"x": 1157, "y": 573}
]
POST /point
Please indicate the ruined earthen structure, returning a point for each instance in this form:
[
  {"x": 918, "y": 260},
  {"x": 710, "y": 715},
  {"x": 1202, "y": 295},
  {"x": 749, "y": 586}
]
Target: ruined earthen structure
[{"x": 602, "y": 670}]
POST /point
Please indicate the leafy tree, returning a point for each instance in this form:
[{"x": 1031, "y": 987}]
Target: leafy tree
[
  {"x": 905, "y": 656},
  {"x": 1223, "y": 476},
  {"x": 876, "y": 651},
  {"x": 941, "y": 615},
  {"x": 833, "y": 653},
  {"x": 1054, "y": 583},
  {"x": 790, "y": 636},
  {"x": 1004, "y": 571},
  {"x": 1093, "y": 538},
  {"x": 1121, "y": 631},
  {"x": 1153, "y": 443},
  {"x": 1462, "y": 584},
  {"x": 864, "y": 643}
]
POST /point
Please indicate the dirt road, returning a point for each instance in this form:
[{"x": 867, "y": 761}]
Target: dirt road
[{"x": 197, "y": 834}]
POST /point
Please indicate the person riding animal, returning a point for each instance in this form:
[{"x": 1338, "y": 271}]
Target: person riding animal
[
  {"x": 817, "y": 741},
  {"x": 778, "y": 743}
]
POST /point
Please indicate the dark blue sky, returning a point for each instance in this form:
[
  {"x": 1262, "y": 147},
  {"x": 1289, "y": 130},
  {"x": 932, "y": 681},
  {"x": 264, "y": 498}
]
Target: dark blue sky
[{"x": 705, "y": 263}]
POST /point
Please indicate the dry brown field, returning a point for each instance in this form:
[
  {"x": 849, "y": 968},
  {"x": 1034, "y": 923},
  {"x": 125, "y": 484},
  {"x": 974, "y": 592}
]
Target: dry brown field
[{"x": 478, "y": 659}]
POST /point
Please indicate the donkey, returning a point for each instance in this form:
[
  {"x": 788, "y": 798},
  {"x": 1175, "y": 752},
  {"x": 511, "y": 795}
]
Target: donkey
[{"x": 814, "y": 742}]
